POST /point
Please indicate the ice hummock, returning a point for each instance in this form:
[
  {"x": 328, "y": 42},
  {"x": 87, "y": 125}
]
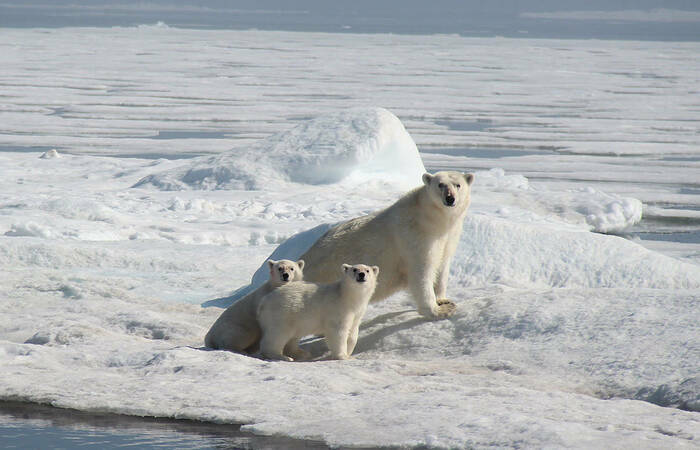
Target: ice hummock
[
  {"x": 358, "y": 143},
  {"x": 586, "y": 207}
]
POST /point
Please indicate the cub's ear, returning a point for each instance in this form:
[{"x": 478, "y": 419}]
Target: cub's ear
[
  {"x": 375, "y": 269},
  {"x": 426, "y": 178},
  {"x": 346, "y": 267},
  {"x": 469, "y": 177},
  {"x": 271, "y": 263},
  {"x": 301, "y": 263}
]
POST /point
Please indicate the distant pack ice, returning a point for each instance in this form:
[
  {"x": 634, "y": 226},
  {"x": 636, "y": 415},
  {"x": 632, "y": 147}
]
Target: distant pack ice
[{"x": 355, "y": 143}]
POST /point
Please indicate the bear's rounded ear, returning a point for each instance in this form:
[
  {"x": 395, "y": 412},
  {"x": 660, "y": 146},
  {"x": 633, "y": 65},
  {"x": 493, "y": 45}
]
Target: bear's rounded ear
[
  {"x": 346, "y": 267},
  {"x": 375, "y": 269},
  {"x": 301, "y": 263},
  {"x": 271, "y": 263},
  {"x": 426, "y": 178},
  {"x": 469, "y": 177}
]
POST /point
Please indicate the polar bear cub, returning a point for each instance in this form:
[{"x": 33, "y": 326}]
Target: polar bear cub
[
  {"x": 237, "y": 328},
  {"x": 299, "y": 309}
]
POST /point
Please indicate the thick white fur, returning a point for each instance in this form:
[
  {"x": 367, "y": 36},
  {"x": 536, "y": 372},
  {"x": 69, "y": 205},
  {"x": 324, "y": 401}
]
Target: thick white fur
[
  {"x": 413, "y": 241},
  {"x": 334, "y": 310},
  {"x": 237, "y": 328}
]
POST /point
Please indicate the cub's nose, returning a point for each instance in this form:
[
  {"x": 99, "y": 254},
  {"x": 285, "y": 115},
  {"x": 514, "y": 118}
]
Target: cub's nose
[
  {"x": 285, "y": 276},
  {"x": 450, "y": 200},
  {"x": 361, "y": 276}
]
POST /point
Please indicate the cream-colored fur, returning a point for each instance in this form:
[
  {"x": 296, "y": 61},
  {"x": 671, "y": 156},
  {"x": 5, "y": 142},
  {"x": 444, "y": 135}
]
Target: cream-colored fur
[
  {"x": 333, "y": 310},
  {"x": 413, "y": 241},
  {"x": 237, "y": 328}
]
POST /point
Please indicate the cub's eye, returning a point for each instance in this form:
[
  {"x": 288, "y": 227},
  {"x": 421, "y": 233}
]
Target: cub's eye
[
  {"x": 441, "y": 185},
  {"x": 354, "y": 270},
  {"x": 458, "y": 186},
  {"x": 291, "y": 269}
]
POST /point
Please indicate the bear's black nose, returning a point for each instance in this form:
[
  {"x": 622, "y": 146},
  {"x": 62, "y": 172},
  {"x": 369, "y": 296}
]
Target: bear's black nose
[
  {"x": 450, "y": 200},
  {"x": 285, "y": 276},
  {"x": 361, "y": 276}
]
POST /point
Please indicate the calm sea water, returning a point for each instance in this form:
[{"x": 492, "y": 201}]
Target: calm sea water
[{"x": 32, "y": 426}]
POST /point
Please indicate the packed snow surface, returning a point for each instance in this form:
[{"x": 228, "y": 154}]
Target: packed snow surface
[{"x": 114, "y": 268}]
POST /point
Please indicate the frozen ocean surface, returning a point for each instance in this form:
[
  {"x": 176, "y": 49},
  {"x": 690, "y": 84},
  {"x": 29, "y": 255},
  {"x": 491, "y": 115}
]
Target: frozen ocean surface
[{"x": 577, "y": 277}]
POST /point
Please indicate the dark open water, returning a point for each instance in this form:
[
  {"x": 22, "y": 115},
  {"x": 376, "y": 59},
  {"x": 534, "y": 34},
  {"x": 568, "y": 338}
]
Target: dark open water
[{"x": 33, "y": 426}]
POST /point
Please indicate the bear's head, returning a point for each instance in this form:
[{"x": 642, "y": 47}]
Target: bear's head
[
  {"x": 449, "y": 189},
  {"x": 360, "y": 273},
  {"x": 284, "y": 270}
]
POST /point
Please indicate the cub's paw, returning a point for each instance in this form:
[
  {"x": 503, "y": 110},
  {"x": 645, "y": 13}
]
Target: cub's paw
[
  {"x": 276, "y": 357},
  {"x": 300, "y": 355}
]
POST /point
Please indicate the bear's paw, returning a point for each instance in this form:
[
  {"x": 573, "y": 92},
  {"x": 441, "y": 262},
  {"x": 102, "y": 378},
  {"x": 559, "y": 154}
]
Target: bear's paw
[{"x": 445, "y": 308}]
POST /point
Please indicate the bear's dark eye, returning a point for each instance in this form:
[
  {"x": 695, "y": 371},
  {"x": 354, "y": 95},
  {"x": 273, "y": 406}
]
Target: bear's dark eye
[
  {"x": 458, "y": 186},
  {"x": 291, "y": 269},
  {"x": 441, "y": 185},
  {"x": 354, "y": 270}
]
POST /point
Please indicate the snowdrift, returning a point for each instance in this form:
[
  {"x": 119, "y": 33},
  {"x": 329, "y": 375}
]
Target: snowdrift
[{"x": 362, "y": 143}]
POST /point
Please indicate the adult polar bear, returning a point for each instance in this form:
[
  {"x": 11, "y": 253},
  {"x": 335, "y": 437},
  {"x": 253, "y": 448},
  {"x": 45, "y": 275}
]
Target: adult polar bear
[{"x": 412, "y": 242}]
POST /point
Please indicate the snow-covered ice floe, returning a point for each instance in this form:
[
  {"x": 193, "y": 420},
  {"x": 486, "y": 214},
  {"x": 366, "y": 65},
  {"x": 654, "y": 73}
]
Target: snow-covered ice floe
[{"x": 563, "y": 337}]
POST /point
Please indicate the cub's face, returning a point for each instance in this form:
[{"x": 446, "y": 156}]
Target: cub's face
[
  {"x": 360, "y": 273},
  {"x": 449, "y": 189},
  {"x": 284, "y": 270}
]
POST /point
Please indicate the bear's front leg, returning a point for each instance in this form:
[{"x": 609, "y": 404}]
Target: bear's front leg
[
  {"x": 337, "y": 341},
  {"x": 423, "y": 288},
  {"x": 441, "y": 280},
  {"x": 352, "y": 339},
  {"x": 272, "y": 347},
  {"x": 446, "y": 307}
]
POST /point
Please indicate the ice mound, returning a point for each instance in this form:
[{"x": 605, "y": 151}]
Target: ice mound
[
  {"x": 586, "y": 207},
  {"x": 51, "y": 154},
  {"x": 600, "y": 211},
  {"x": 497, "y": 251},
  {"x": 358, "y": 143},
  {"x": 612, "y": 215},
  {"x": 497, "y": 180},
  {"x": 30, "y": 229}
]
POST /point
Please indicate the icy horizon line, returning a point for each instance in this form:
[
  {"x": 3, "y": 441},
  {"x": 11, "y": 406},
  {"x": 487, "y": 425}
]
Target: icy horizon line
[{"x": 662, "y": 15}]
